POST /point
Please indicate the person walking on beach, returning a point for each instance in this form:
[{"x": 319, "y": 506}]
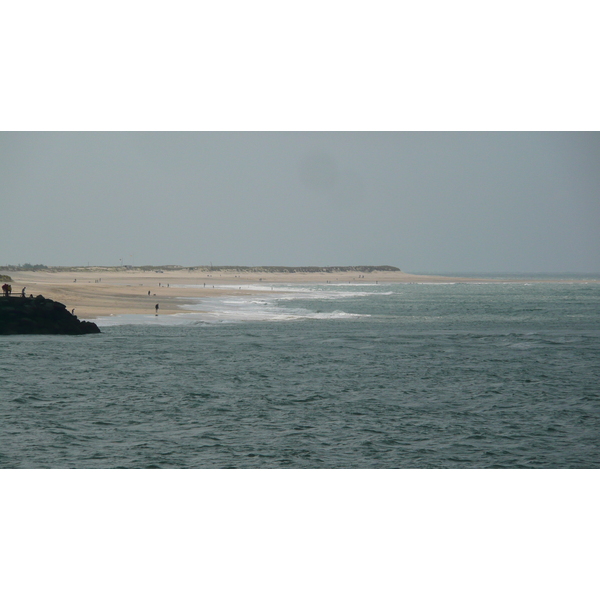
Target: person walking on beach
[
  {"x": 156, "y": 308},
  {"x": 23, "y": 292}
]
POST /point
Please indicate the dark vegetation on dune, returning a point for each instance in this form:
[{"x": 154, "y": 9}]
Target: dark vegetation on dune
[{"x": 239, "y": 269}]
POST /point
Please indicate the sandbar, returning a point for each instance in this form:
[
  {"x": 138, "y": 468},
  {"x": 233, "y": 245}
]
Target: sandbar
[{"x": 101, "y": 291}]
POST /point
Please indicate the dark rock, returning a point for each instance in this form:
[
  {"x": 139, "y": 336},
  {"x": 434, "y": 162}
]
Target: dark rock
[{"x": 19, "y": 315}]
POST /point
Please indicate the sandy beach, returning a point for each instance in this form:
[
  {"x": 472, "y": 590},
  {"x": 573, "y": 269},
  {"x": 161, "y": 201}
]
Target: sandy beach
[{"x": 100, "y": 292}]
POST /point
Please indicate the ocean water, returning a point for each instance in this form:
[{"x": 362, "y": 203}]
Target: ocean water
[{"x": 494, "y": 375}]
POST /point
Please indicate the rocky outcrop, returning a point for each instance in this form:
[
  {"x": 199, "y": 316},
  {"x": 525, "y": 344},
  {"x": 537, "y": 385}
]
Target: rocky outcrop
[{"x": 19, "y": 315}]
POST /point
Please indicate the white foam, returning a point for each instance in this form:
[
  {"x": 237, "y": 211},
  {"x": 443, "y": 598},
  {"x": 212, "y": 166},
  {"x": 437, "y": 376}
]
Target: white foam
[
  {"x": 323, "y": 291},
  {"x": 253, "y": 308},
  {"x": 234, "y": 309}
]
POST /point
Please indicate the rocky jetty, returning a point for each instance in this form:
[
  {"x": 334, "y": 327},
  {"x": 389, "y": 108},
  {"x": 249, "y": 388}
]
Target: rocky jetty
[{"x": 39, "y": 315}]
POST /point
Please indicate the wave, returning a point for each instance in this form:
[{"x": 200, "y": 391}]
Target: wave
[
  {"x": 220, "y": 316},
  {"x": 235, "y": 309},
  {"x": 323, "y": 292}
]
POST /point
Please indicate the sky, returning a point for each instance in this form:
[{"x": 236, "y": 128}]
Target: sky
[{"x": 422, "y": 201}]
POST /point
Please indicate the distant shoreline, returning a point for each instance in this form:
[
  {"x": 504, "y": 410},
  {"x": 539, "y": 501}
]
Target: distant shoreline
[
  {"x": 512, "y": 275},
  {"x": 570, "y": 275},
  {"x": 107, "y": 291},
  {"x": 203, "y": 268}
]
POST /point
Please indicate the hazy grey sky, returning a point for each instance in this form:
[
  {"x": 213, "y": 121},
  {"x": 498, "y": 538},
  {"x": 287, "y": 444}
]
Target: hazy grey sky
[{"x": 425, "y": 202}]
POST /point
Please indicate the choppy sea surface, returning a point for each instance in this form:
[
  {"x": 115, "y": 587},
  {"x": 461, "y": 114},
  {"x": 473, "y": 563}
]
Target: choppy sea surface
[{"x": 493, "y": 375}]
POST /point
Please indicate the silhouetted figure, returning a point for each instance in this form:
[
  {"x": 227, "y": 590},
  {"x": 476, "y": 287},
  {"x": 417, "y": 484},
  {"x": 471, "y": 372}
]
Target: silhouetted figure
[
  {"x": 156, "y": 308},
  {"x": 23, "y": 292},
  {"x": 148, "y": 292}
]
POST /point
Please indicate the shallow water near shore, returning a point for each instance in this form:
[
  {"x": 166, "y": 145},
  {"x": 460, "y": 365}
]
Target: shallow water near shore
[{"x": 324, "y": 376}]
